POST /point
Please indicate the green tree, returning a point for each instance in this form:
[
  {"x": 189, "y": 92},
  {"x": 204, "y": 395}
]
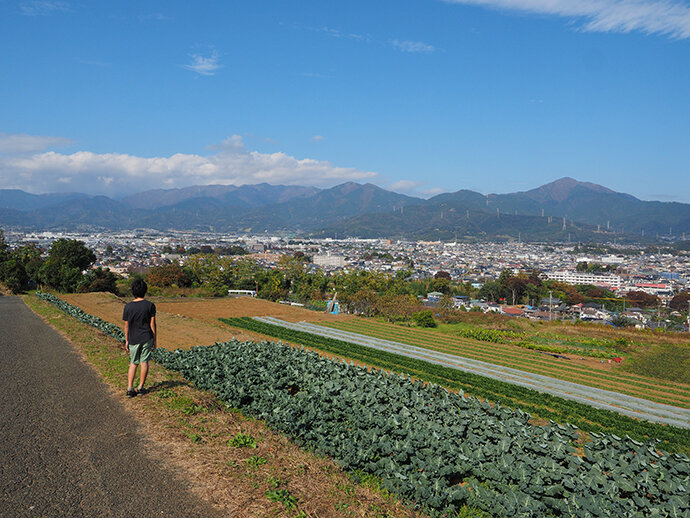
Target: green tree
[
  {"x": 424, "y": 318},
  {"x": 30, "y": 256},
  {"x": 272, "y": 285},
  {"x": 67, "y": 258},
  {"x": 72, "y": 253},
  {"x": 4, "y": 247},
  {"x": 442, "y": 285},
  {"x": 98, "y": 279},
  {"x": 490, "y": 291},
  {"x": 13, "y": 275}
]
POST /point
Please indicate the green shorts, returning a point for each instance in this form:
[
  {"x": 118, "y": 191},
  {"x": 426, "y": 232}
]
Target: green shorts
[{"x": 140, "y": 353}]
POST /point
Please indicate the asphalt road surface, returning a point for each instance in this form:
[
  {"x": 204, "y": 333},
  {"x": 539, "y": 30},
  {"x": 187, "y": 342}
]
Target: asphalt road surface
[
  {"x": 614, "y": 401},
  {"x": 67, "y": 446}
]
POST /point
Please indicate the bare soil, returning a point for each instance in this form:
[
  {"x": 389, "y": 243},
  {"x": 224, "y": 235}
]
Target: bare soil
[
  {"x": 190, "y": 430},
  {"x": 186, "y": 323}
]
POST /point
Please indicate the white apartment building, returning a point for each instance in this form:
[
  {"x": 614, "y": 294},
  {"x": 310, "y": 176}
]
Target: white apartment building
[
  {"x": 573, "y": 277},
  {"x": 334, "y": 261}
]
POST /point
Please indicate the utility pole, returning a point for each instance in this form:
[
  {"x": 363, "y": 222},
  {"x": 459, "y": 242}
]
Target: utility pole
[{"x": 550, "y": 306}]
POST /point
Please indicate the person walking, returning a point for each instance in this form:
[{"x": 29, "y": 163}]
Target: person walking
[{"x": 140, "y": 335}]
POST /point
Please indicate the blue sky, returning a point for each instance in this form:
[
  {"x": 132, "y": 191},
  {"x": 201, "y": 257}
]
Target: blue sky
[{"x": 418, "y": 96}]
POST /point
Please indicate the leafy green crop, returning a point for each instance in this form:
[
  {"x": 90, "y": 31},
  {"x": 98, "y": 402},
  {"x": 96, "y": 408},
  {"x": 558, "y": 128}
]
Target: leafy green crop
[
  {"x": 436, "y": 448},
  {"x": 441, "y": 450},
  {"x": 489, "y": 335},
  {"x": 542, "y": 405}
]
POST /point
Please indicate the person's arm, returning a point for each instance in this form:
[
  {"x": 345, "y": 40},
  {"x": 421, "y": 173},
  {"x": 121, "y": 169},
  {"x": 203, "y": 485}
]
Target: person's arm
[
  {"x": 126, "y": 334},
  {"x": 153, "y": 328}
]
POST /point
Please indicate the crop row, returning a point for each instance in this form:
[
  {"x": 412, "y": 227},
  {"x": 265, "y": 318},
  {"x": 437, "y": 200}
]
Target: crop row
[
  {"x": 540, "y": 405},
  {"x": 438, "y": 449},
  {"x": 420, "y": 336},
  {"x": 489, "y": 335},
  {"x": 435, "y": 448},
  {"x": 100, "y": 324},
  {"x": 512, "y": 358}
]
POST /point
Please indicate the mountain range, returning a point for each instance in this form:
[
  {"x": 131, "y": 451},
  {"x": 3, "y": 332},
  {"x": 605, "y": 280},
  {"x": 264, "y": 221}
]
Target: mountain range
[{"x": 560, "y": 210}]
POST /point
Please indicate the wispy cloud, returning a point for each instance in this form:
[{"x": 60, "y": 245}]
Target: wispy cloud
[
  {"x": 17, "y": 143},
  {"x": 418, "y": 47},
  {"x": 116, "y": 173},
  {"x": 204, "y": 65},
  {"x": 337, "y": 33},
  {"x": 404, "y": 186},
  {"x": 432, "y": 192},
  {"x": 42, "y": 7},
  {"x": 668, "y": 17},
  {"x": 317, "y": 138}
]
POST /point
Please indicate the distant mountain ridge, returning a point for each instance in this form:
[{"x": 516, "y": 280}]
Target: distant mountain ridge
[{"x": 591, "y": 212}]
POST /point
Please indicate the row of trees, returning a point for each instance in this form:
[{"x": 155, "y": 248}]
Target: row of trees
[
  {"x": 371, "y": 293},
  {"x": 65, "y": 267}
]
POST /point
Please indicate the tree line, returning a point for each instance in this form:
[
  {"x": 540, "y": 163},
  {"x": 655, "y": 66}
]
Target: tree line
[{"x": 64, "y": 267}]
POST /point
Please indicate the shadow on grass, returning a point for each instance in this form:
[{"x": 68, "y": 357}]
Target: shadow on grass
[{"x": 162, "y": 385}]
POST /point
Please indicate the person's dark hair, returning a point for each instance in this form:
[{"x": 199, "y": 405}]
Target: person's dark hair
[{"x": 139, "y": 288}]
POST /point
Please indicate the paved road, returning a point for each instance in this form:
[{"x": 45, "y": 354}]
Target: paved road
[
  {"x": 621, "y": 403},
  {"x": 67, "y": 447}
]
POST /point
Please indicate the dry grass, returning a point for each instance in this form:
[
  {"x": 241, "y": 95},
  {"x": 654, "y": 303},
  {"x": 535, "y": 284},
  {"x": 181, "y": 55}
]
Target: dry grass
[{"x": 189, "y": 432}]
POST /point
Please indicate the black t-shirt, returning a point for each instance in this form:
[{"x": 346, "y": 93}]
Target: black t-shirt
[{"x": 139, "y": 315}]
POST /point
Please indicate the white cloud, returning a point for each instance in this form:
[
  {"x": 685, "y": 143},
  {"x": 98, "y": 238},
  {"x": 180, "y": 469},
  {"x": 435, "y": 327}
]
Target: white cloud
[
  {"x": 404, "y": 186},
  {"x": 118, "y": 174},
  {"x": 432, "y": 192},
  {"x": 418, "y": 47},
  {"x": 317, "y": 138},
  {"x": 42, "y": 7},
  {"x": 205, "y": 66},
  {"x": 669, "y": 17},
  {"x": 15, "y": 143}
]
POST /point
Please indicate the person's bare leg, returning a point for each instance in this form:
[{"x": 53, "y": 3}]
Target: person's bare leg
[
  {"x": 130, "y": 375},
  {"x": 142, "y": 374}
]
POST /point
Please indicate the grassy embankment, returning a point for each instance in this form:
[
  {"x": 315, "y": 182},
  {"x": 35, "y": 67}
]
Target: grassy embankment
[{"x": 233, "y": 460}]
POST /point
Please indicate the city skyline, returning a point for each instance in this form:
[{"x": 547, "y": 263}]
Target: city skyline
[{"x": 494, "y": 96}]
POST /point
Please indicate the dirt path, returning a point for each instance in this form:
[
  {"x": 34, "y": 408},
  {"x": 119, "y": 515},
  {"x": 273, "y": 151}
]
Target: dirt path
[{"x": 68, "y": 447}]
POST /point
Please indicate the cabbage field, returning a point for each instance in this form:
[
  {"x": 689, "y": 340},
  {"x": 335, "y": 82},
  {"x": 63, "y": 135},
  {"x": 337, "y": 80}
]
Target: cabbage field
[{"x": 436, "y": 449}]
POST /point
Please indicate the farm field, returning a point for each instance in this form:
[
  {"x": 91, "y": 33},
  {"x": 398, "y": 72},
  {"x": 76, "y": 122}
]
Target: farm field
[
  {"x": 485, "y": 455},
  {"x": 185, "y": 323},
  {"x": 540, "y": 405},
  {"x": 230, "y": 458},
  {"x": 189, "y": 322},
  {"x": 590, "y": 372}
]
